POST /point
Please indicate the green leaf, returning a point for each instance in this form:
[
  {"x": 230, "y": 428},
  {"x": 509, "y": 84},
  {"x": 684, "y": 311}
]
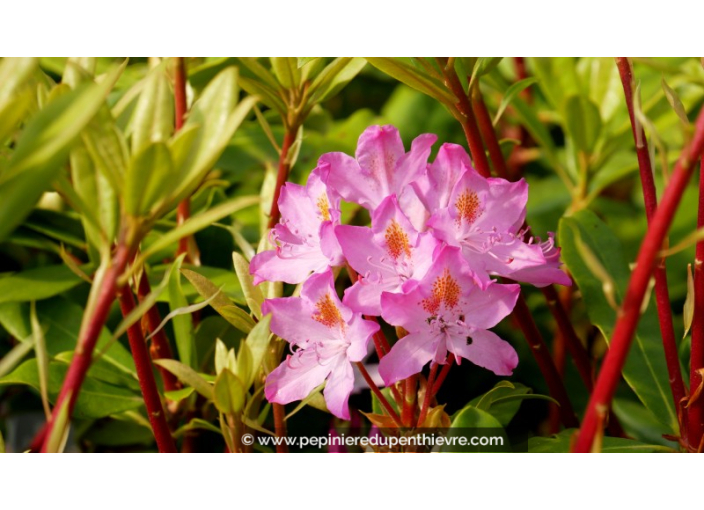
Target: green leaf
[
  {"x": 561, "y": 443},
  {"x": 11, "y": 359},
  {"x": 42, "y": 358},
  {"x": 96, "y": 399},
  {"x": 512, "y": 92},
  {"x": 258, "y": 342},
  {"x": 253, "y": 295},
  {"x": 43, "y": 148},
  {"x": 645, "y": 370},
  {"x": 406, "y": 73},
  {"x": 153, "y": 117},
  {"x": 504, "y": 400},
  {"x": 473, "y": 421},
  {"x": 187, "y": 376},
  {"x": 287, "y": 71},
  {"x": 583, "y": 122},
  {"x": 196, "y": 223},
  {"x": 182, "y": 323},
  {"x": 36, "y": 284},
  {"x": 228, "y": 393},
  {"x": 334, "y": 77},
  {"x": 178, "y": 395},
  {"x": 148, "y": 180},
  {"x": 221, "y": 303}
]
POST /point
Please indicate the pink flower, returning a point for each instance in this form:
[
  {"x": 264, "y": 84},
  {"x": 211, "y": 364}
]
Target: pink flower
[
  {"x": 326, "y": 338},
  {"x": 484, "y": 217},
  {"x": 305, "y": 239},
  {"x": 386, "y": 256},
  {"x": 381, "y": 167},
  {"x": 447, "y": 311}
]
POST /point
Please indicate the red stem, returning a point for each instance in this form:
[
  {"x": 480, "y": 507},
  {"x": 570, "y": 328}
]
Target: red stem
[
  {"x": 147, "y": 383},
  {"x": 630, "y": 309},
  {"x": 695, "y": 431},
  {"x": 284, "y": 168},
  {"x": 541, "y": 353},
  {"x": 280, "y": 426},
  {"x": 409, "y": 400},
  {"x": 181, "y": 109},
  {"x": 662, "y": 294},
  {"x": 160, "y": 347},
  {"x": 428, "y": 393},
  {"x": 88, "y": 338},
  {"x": 443, "y": 374},
  {"x": 382, "y": 399},
  {"x": 469, "y": 123},
  {"x": 488, "y": 134}
]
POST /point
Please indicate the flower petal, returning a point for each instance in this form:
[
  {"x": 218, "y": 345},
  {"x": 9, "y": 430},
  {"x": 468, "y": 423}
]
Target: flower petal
[
  {"x": 338, "y": 388},
  {"x": 486, "y": 308},
  {"x": 295, "y": 378},
  {"x": 486, "y": 350},
  {"x": 408, "y": 356}
]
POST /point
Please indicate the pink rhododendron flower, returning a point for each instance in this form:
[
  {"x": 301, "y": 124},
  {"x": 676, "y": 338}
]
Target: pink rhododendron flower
[
  {"x": 381, "y": 166},
  {"x": 326, "y": 338},
  {"x": 305, "y": 240},
  {"x": 484, "y": 218},
  {"x": 386, "y": 256},
  {"x": 447, "y": 311}
]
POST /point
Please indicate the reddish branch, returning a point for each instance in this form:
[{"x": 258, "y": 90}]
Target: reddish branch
[
  {"x": 629, "y": 313},
  {"x": 147, "y": 383},
  {"x": 379, "y": 395},
  {"x": 432, "y": 377},
  {"x": 280, "y": 426},
  {"x": 87, "y": 340},
  {"x": 695, "y": 430},
  {"x": 662, "y": 294},
  {"x": 282, "y": 175},
  {"x": 181, "y": 109},
  {"x": 160, "y": 347}
]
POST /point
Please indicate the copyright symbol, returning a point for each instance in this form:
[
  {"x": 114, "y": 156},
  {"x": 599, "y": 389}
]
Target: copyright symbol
[{"x": 247, "y": 439}]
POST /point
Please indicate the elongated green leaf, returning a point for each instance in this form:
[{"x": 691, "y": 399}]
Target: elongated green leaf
[
  {"x": 334, "y": 77},
  {"x": 198, "y": 222},
  {"x": 252, "y": 294},
  {"x": 97, "y": 399},
  {"x": 286, "y": 71},
  {"x": 511, "y": 93},
  {"x": 153, "y": 117},
  {"x": 187, "y": 376},
  {"x": 43, "y": 148},
  {"x": 583, "y": 122},
  {"x": 258, "y": 342},
  {"x": 36, "y": 284},
  {"x": 645, "y": 370},
  {"x": 561, "y": 444},
  {"x": 405, "y": 73},
  {"x": 182, "y": 323},
  {"x": 221, "y": 303},
  {"x": 10, "y": 360},
  {"x": 42, "y": 358},
  {"x": 497, "y": 402},
  {"x": 228, "y": 393},
  {"x": 186, "y": 310},
  {"x": 15, "y": 93},
  {"x": 148, "y": 180}
]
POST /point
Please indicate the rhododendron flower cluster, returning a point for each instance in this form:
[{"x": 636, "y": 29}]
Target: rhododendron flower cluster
[{"x": 440, "y": 234}]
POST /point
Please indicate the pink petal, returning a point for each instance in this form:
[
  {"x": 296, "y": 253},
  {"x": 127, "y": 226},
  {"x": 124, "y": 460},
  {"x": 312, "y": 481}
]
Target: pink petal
[
  {"x": 269, "y": 266},
  {"x": 292, "y": 320},
  {"x": 295, "y": 378},
  {"x": 486, "y": 350},
  {"x": 378, "y": 150},
  {"x": 408, "y": 356},
  {"x": 486, "y": 308},
  {"x": 413, "y": 164},
  {"x": 337, "y": 390}
]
